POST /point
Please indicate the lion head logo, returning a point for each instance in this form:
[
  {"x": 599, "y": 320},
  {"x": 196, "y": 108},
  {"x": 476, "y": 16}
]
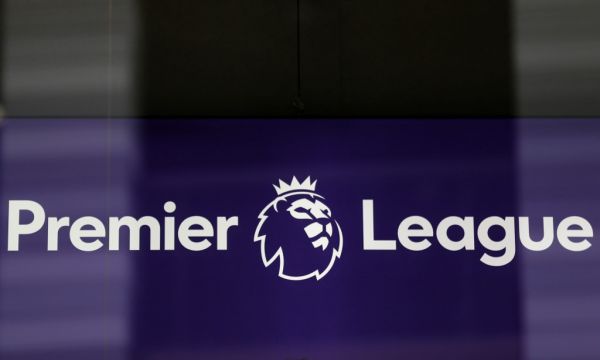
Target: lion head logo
[{"x": 297, "y": 231}]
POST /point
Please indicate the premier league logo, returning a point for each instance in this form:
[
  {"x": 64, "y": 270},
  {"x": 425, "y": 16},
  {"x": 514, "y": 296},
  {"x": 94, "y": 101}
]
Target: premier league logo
[{"x": 298, "y": 232}]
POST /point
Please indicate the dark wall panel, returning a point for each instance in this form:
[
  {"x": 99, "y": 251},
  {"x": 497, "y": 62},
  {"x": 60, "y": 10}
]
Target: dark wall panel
[
  {"x": 426, "y": 58},
  {"x": 220, "y": 57},
  {"x": 342, "y": 58}
]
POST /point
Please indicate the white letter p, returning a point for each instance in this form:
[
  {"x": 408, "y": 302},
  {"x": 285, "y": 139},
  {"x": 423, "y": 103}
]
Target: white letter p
[{"x": 15, "y": 228}]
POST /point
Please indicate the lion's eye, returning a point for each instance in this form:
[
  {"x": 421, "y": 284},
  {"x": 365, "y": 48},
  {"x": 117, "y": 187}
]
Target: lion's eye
[{"x": 299, "y": 212}]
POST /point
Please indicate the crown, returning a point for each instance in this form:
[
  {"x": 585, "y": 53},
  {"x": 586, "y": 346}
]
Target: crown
[{"x": 295, "y": 185}]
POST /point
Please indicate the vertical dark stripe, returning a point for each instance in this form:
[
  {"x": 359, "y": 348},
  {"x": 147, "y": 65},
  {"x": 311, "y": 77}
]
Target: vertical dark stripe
[
  {"x": 298, "y": 102},
  {"x": 298, "y": 49}
]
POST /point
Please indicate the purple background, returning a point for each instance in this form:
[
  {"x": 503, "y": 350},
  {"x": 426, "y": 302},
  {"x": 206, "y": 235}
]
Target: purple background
[{"x": 434, "y": 304}]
